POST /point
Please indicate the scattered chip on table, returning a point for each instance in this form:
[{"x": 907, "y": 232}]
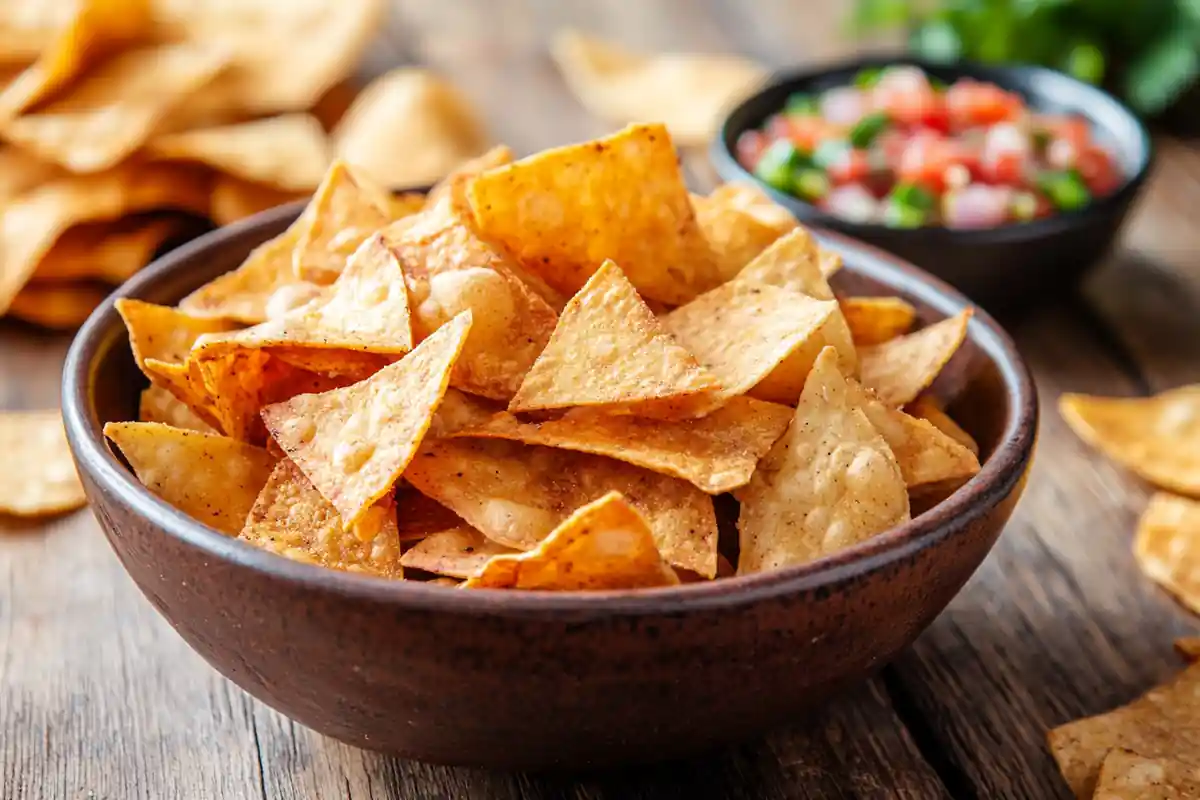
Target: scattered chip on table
[
  {"x": 458, "y": 552},
  {"x": 1125, "y": 775},
  {"x": 58, "y": 305},
  {"x": 105, "y": 251},
  {"x": 39, "y": 473},
  {"x": 1167, "y": 546},
  {"x": 875, "y": 320},
  {"x": 899, "y": 369},
  {"x": 1188, "y": 647}
]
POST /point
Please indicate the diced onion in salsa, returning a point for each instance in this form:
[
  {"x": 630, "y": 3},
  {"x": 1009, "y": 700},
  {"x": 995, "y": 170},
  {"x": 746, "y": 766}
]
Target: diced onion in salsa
[{"x": 896, "y": 148}]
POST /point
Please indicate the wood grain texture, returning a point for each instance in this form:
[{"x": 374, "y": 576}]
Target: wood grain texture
[{"x": 99, "y": 698}]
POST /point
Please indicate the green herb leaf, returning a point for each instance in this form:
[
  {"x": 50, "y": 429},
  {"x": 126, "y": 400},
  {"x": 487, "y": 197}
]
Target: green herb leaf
[
  {"x": 936, "y": 40},
  {"x": 878, "y": 14},
  {"x": 1162, "y": 72}
]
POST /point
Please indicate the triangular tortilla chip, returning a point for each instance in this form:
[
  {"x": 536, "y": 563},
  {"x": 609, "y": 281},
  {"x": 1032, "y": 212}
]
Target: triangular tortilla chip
[
  {"x": 1158, "y": 438},
  {"x": 1188, "y": 647},
  {"x": 292, "y": 519},
  {"x": 409, "y": 128},
  {"x": 1167, "y": 547},
  {"x": 20, "y": 171},
  {"x": 516, "y": 494},
  {"x": 455, "y": 182},
  {"x": 791, "y": 262},
  {"x": 459, "y": 552},
  {"x": 345, "y": 210},
  {"x": 729, "y": 220},
  {"x": 828, "y": 484},
  {"x": 609, "y": 351},
  {"x": 1163, "y": 723},
  {"x": 234, "y": 199},
  {"x": 606, "y": 544},
  {"x": 459, "y": 411},
  {"x": 38, "y": 474},
  {"x": 354, "y": 443},
  {"x": 716, "y": 453},
  {"x": 418, "y": 516},
  {"x": 745, "y": 333},
  {"x": 288, "y": 152},
  {"x": 563, "y": 212},
  {"x": 928, "y": 408},
  {"x": 163, "y": 333},
  {"x": 115, "y": 109},
  {"x": 159, "y": 405},
  {"x": 874, "y": 320},
  {"x": 900, "y": 369},
  {"x": 211, "y": 478},
  {"x": 105, "y": 251},
  {"x": 1125, "y": 775},
  {"x": 689, "y": 92},
  {"x": 58, "y": 305}
]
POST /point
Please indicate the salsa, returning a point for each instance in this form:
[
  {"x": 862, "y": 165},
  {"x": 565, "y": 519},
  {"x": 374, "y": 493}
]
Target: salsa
[{"x": 902, "y": 149}]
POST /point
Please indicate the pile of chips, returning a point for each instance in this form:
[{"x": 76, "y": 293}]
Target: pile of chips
[
  {"x": 119, "y": 118},
  {"x": 541, "y": 376}
]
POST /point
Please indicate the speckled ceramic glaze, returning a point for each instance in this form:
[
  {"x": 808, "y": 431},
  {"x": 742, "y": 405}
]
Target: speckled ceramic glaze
[{"x": 539, "y": 680}]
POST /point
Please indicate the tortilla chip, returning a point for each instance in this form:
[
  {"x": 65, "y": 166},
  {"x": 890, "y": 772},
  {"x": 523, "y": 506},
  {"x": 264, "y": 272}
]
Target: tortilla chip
[
  {"x": 354, "y": 443},
  {"x": 456, "y": 181},
  {"x": 28, "y": 28},
  {"x": 1167, "y": 547},
  {"x": 292, "y": 519},
  {"x": 58, "y": 306},
  {"x": 744, "y": 333},
  {"x": 828, "y": 261},
  {"x": 928, "y": 408},
  {"x": 1157, "y": 438},
  {"x": 736, "y": 233},
  {"x": 406, "y": 204},
  {"x": 162, "y": 333},
  {"x": 1125, "y": 775},
  {"x": 716, "y": 453},
  {"x": 563, "y": 212},
  {"x": 105, "y": 251},
  {"x": 234, "y": 199},
  {"x": 335, "y": 102},
  {"x": 606, "y": 544},
  {"x": 792, "y": 262},
  {"x": 115, "y": 109},
  {"x": 98, "y": 28},
  {"x": 875, "y": 320},
  {"x": 418, "y": 516},
  {"x": 1163, "y": 723},
  {"x": 830, "y": 483},
  {"x": 516, "y": 494},
  {"x": 39, "y": 478},
  {"x": 211, "y": 478},
  {"x": 159, "y": 405},
  {"x": 288, "y": 152},
  {"x": 689, "y": 92},
  {"x": 409, "y": 128},
  {"x": 459, "y": 411},
  {"x": 344, "y": 212},
  {"x": 21, "y": 171},
  {"x": 459, "y": 552},
  {"x": 900, "y": 369},
  {"x": 31, "y": 224},
  {"x": 609, "y": 351},
  {"x": 1188, "y": 647},
  {"x": 449, "y": 269}
]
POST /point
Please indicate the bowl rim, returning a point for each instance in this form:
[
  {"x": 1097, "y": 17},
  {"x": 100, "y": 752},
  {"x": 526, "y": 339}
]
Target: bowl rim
[
  {"x": 729, "y": 168},
  {"x": 1000, "y": 472}
]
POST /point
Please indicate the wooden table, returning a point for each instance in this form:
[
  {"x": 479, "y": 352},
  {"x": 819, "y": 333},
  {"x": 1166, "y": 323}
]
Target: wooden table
[{"x": 100, "y": 699}]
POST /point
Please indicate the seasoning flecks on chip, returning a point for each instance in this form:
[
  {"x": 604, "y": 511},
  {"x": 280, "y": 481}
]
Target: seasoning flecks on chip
[
  {"x": 345, "y": 210},
  {"x": 875, "y": 320},
  {"x": 458, "y": 552},
  {"x": 40, "y": 479},
  {"x": 1167, "y": 546},
  {"x": 900, "y": 369}
]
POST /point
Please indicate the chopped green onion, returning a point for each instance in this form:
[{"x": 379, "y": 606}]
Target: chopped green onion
[
  {"x": 913, "y": 196},
  {"x": 937, "y": 84},
  {"x": 777, "y": 163},
  {"x": 830, "y": 152},
  {"x": 870, "y": 126},
  {"x": 899, "y": 215},
  {"x": 810, "y": 184},
  {"x": 801, "y": 104},
  {"x": 1024, "y": 206},
  {"x": 868, "y": 77},
  {"x": 1041, "y": 139},
  {"x": 1066, "y": 190}
]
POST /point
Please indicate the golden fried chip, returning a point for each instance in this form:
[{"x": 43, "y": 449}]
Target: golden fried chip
[
  {"x": 792, "y": 262},
  {"x": 354, "y": 443},
  {"x": 516, "y": 494},
  {"x": 234, "y": 199},
  {"x": 928, "y": 408},
  {"x": 1163, "y": 723},
  {"x": 1157, "y": 438},
  {"x": 828, "y": 261},
  {"x": 830, "y": 483},
  {"x": 335, "y": 102},
  {"x": 116, "y": 108},
  {"x": 455, "y": 182},
  {"x": 716, "y": 453},
  {"x": 98, "y": 28},
  {"x": 21, "y": 171},
  {"x": 163, "y": 333},
  {"x": 409, "y": 128},
  {"x": 563, "y": 212},
  {"x": 1188, "y": 647},
  {"x": 1167, "y": 547},
  {"x": 39, "y": 474},
  {"x": 689, "y": 92},
  {"x": 609, "y": 351},
  {"x": 212, "y": 478},
  {"x": 344, "y": 212},
  {"x": 406, "y": 204},
  {"x": 418, "y": 516},
  {"x": 606, "y": 544},
  {"x": 28, "y": 28},
  {"x": 874, "y": 320},
  {"x": 1125, "y": 775},
  {"x": 459, "y": 552},
  {"x": 459, "y": 411},
  {"x": 159, "y": 405},
  {"x": 732, "y": 221},
  {"x": 746, "y": 333},
  {"x": 292, "y": 519},
  {"x": 900, "y": 369},
  {"x": 31, "y": 224},
  {"x": 288, "y": 152},
  {"x": 58, "y": 305},
  {"x": 105, "y": 251}
]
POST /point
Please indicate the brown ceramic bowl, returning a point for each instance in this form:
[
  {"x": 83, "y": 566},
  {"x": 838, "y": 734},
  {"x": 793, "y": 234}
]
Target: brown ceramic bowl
[{"x": 537, "y": 680}]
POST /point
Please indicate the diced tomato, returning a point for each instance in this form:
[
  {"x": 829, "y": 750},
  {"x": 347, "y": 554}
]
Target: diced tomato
[
  {"x": 851, "y": 166},
  {"x": 807, "y": 132},
  {"x": 1071, "y": 129},
  {"x": 1098, "y": 171},
  {"x": 1007, "y": 153},
  {"x": 913, "y": 105},
  {"x": 925, "y": 161},
  {"x": 750, "y": 147},
  {"x": 970, "y": 103}
]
